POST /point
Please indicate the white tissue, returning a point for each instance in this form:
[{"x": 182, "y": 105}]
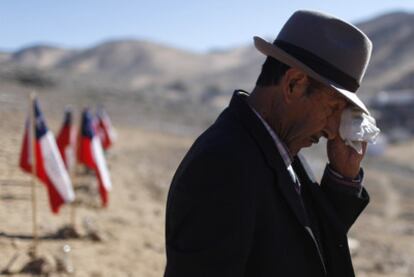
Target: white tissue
[{"x": 356, "y": 127}]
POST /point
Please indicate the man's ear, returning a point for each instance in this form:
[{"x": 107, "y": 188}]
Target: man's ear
[{"x": 294, "y": 84}]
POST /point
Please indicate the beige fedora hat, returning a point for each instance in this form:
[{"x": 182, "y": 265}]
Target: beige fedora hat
[{"x": 328, "y": 49}]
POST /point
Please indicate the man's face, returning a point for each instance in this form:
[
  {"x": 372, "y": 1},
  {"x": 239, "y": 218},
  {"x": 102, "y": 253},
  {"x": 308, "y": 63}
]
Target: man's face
[{"x": 316, "y": 114}]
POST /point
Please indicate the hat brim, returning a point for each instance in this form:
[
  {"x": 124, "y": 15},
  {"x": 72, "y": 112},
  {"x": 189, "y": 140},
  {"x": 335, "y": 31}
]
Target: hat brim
[{"x": 272, "y": 50}]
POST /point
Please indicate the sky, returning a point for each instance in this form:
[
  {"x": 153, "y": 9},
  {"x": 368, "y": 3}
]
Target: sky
[{"x": 197, "y": 26}]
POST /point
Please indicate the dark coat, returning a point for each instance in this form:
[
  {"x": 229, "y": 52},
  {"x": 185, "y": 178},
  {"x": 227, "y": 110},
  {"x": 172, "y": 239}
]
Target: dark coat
[{"x": 232, "y": 208}]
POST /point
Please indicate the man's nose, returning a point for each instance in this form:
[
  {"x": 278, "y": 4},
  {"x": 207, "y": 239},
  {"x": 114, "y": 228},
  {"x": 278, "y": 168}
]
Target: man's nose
[{"x": 331, "y": 129}]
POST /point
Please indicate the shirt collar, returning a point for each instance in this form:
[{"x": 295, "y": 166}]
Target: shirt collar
[{"x": 281, "y": 147}]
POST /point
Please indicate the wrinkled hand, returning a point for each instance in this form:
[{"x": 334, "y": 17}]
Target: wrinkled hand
[{"x": 344, "y": 159}]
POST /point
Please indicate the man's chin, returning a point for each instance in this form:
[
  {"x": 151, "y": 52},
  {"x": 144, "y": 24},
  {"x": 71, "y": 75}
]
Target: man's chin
[
  {"x": 305, "y": 144},
  {"x": 310, "y": 142}
]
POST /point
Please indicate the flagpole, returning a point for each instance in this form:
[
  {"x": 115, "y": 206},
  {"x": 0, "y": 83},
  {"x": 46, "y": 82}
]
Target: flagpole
[
  {"x": 33, "y": 142},
  {"x": 73, "y": 175},
  {"x": 73, "y": 205}
]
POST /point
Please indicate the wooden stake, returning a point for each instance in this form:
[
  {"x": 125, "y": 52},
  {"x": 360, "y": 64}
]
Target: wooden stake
[
  {"x": 34, "y": 175},
  {"x": 73, "y": 175},
  {"x": 73, "y": 205}
]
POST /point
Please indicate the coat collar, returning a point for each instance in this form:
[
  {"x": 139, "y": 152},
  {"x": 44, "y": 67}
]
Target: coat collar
[{"x": 265, "y": 143}]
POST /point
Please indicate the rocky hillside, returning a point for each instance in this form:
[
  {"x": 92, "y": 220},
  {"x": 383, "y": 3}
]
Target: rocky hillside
[{"x": 151, "y": 69}]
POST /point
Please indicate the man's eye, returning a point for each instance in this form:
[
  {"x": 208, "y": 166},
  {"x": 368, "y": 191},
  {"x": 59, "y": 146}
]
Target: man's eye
[{"x": 335, "y": 108}]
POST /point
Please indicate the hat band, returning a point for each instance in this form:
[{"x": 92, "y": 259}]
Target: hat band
[{"x": 319, "y": 65}]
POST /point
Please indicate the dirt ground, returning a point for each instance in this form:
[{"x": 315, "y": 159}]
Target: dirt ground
[{"x": 131, "y": 229}]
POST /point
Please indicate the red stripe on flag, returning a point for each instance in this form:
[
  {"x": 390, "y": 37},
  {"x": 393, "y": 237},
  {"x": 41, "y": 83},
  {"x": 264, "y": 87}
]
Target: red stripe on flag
[
  {"x": 86, "y": 157},
  {"x": 104, "y": 134},
  {"x": 62, "y": 141},
  {"x": 102, "y": 190},
  {"x": 55, "y": 199},
  {"x": 85, "y": 153}
]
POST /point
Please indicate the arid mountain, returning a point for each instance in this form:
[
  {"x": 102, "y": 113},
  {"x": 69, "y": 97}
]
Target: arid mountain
[
  {"x": 40, "y": 56},
  {"x": 4, "y": 56},
  {"x": 392, "y": 64},
  {"x": 146, "y": 66}
]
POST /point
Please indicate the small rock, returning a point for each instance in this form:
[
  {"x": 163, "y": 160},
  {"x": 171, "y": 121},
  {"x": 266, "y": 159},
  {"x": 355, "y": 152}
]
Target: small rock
[
  {"x": 95, "y": 236},
  {"x": 67, "y": 232},
  {"x": 37, "y": 266}
]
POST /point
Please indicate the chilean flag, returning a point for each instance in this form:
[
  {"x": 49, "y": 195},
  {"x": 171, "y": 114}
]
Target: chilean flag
[
  {"x": 66, "y": 141},
  {"x": 90, "y": 154},
  {"x": 105, "y": 129},
  {"x": 50, "y": 168}
]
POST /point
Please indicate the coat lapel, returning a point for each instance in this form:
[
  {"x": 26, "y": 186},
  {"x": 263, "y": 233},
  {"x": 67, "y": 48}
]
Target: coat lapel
[
  {"x": 287, "y": 187},
  {"x": 255, "y": 127}
]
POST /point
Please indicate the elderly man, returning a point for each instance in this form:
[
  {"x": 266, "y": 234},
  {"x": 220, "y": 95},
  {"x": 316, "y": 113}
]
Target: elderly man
[{"x": 243, "y": 201}]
